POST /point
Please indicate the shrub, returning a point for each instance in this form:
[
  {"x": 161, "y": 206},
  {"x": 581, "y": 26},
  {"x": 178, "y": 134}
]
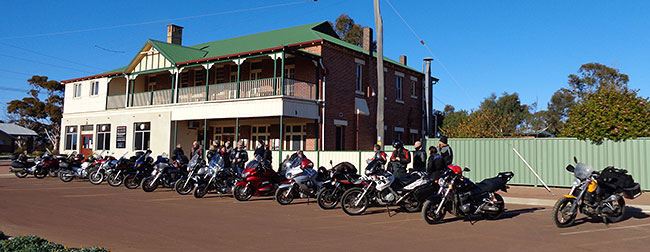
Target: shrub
[{"x": 34, "y": 243}]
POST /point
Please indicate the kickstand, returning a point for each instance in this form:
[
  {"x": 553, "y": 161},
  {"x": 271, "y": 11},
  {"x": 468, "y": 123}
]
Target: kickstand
[
  {"x": 388, "y": 211},
  {"x": 308, "y": 200},
  {"x": 469, "y": 218},
  {"x": 605, "y": 220}
]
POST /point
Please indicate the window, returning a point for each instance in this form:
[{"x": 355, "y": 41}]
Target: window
[
  {"x": 220, "y": 75},
  {"x": 104, "y": 137},
  {"x": 413, "y": 89},
  {"x": 290, "y": 72},
  {"x": 398, "y": 86},
  {"x": 199, "y": 75},
  {"x": 259, "y": 133},
  {"x": 398, "y": 135},
  {"x": 414, "y": 137},
  {"x": 359, "y": 80},
  {"x": 71, "y": 138},
  {"x": 94, "y": 88},
  {"x": 76, "y": 90},
  {"x": 87, "y": 127},
  {"x": 295, "y": 137},
  {"x": 233, "y": 74},
  {"x": 185, "y": 79},
  {"x": 340, "y": 137},
  {"x": 151, "y": 83},
  {"x": 142, "y": 136},
  {"x": 256, "y": 74},
  {"x": 224, "y": 134}
]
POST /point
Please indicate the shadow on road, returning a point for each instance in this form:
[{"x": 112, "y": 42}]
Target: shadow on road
[{"x": 630, "y": 212}]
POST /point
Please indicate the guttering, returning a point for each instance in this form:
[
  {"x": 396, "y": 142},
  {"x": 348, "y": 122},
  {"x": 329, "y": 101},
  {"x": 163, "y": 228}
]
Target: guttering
[
  {"x": 91, "y": 77},
  {"x": 246, "y": 53}
]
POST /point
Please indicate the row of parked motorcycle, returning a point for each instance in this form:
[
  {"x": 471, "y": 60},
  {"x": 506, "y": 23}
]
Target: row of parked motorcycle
[{"x": 447, "y": 192}]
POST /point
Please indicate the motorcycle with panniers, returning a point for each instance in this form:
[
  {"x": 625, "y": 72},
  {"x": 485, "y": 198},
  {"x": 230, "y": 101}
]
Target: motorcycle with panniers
[
  {"x": 164, "y": 174},
  {"x": 257, "y": 179},
  {"x": 302, "y": 181},
  {"x": 196, "y": 170},
  {"x": 218, "y": 178},
  {"x": 595, "y": 194},
  {"x": 459, "y": 196},
  {"x": 141, "y": 169},
  {"x": 342, "y": 177}
]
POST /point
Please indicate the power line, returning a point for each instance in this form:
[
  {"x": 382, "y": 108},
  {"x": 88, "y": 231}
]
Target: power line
[
  {"x": 155, "y": 21},
  {"x": 9, "y": 71},
  {"x": 49, "y": 56},
  {"x": 440, "y": 62},
  {"x": 48, "y": 64}
]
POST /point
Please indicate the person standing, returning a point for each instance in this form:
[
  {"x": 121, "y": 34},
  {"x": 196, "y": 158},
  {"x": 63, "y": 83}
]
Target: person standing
[
  {"x": 268, "y": 155},
  {"x": 399, "y": 159},
  {"x": 196, "y": 149},
  {"x": 419, "y": 158},
  {"x": 259, "y": 149},
  {"x": 445, "y": 150},
  {"x": 435, "y": 164},
  {"x": 239, "y": 157},
  {"x": 178, "y": 153}
]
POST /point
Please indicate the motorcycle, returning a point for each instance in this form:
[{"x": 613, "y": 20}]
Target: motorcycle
[
  {"x": 163, "y": 174},
  {"x": 142, "y": 166},
  {"x": 196, "y": 170},
  {"x": 595, "y": 194},
  {"x": 21, "y": 168},
  {"x": 115, "y": 175},
  {"x": 97, "y": 175},
  {"x": 256, "y": 180},
  {"x": 218, "y": 178},
  {"x": 458, "y": 195},
  {"x": 340, "y": 180},
  {"x": 46, "y": 165},
  {"x": 381, "y": 187},
  {"x": 302, "y": 180},
  {"x": 73, "y": 167}
]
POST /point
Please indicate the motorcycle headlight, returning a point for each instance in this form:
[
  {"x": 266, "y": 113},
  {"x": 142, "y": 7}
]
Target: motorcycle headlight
[
  {"x": 441, "y": 182},
  {"x": 245, "y": 174}
]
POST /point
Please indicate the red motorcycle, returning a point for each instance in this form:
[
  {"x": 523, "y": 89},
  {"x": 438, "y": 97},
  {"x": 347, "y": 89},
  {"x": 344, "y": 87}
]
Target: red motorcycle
[
  {"x": 47, "y": 165},
  {"x": 256, "y": 180}
]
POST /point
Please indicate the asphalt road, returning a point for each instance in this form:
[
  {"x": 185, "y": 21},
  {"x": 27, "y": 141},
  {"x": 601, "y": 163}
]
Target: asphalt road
[{"x": 81, "y": 214}]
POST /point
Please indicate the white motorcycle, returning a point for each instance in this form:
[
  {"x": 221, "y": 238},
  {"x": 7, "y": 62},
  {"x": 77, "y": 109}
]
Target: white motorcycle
[{"x": 302, "y": 182}]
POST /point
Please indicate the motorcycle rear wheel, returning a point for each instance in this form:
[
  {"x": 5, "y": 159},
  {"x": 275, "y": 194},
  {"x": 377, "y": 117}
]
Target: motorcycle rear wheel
[
  {"x": 95, "y": 177},
  {"x": 132, "y": 181},
  {"x": 242, "y": 193},
  {"x": 618, "y": 217},
  {"x": 200, "y": 191},
  {"x": 65, "y": 176},
  {"x": 183, "y": 189},
  {"x": 561, "y": 217},
  {"x": 21, "y": 174},
  {"x": 348, "y": 202},
  {"x": 500, "y": 205},
  {"x": 429, "y": 211},
  {"x": 326, "y": 198},
  {"x": 53, "y": 172},
  {"x": 115, "y": 179},
  {"x": 39, "y": 173},
  {"x": 148, "y": 185},
  {"x": 284, "y": 196}
]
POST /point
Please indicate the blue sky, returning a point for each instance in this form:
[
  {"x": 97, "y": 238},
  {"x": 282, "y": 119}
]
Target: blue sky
[{"x": 528, "y": 47}]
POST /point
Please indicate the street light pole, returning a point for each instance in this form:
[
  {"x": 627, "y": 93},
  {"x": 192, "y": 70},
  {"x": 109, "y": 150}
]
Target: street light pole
[{"x": 380, "y": 74}]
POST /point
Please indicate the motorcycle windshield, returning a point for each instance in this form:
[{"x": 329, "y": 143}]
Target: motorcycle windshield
[
  {"x": 216, "y": 161},
  {"x": 193, "y": 161},
  {"x": 583, "y": 171}
]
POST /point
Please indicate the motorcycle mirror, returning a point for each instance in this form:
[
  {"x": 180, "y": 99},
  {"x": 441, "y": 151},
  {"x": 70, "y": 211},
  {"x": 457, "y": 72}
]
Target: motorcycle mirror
[
  {"x": 331, "y": 163},
  {"x": 575, "y": 159},
  {"x": 570, "y": 168},
  {"x": 466, "y": 169}
]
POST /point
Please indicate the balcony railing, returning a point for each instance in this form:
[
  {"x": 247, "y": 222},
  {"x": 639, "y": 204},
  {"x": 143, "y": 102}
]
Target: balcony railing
[
  {"x": 115, "y": 101},
  {"x": 221, "y": 91}
]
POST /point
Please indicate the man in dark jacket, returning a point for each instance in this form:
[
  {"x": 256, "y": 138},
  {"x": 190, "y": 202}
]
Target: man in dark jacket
[
  {"x": 178, "y": 153},
  {"x": 259, "y": 149},
  {"x": 196, "y": 149},
  {"x": 445, "y": 150},
  {"x": 239, "y": 157},
  {"x": 435, "y": 164},
  {"x": 419, "y": 158},
  {"x": 399, "y": 159},
  {"x": 268, "y": 155}
]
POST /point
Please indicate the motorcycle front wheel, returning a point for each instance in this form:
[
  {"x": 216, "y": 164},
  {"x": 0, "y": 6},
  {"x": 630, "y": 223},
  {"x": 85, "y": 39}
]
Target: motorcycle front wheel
[
  {"x": 95, "y": 177},
  {"x": 184, "y": 188},
  {"x": 65, "y": 176},
  {"x": 21, "y": 174},
  {"x": 327, "y": 199},
  {"x": 53, "y": 172},
  {"x": 411, "y": 204},
  {"x": 349, "y": 202},
  {"x": 149, "y": 184},
  {"x": 501, "y": 208},
  {"x": 200, "y": 191},
  {"x": 284, "y": 196},
  {"x": 115, "y": 179},
  {"x": 561, "y": 215},
  {"x": 39, "y": 173},
  {"x": 132, "y": 181},
  {"x": 429, "y": 211},
  {"x": 242, "y": 193}
]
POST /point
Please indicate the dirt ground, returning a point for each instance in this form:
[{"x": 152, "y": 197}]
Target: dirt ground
[{"x": 81, "y": 214}]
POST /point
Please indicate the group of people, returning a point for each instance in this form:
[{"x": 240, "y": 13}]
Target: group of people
[
  {"x": 439, "y": 157},
  {"x": 232, "y": 157}
]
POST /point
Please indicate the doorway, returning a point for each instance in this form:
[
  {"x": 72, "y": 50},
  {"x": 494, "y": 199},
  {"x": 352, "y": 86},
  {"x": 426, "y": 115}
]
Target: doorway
[{"x": 86, "y": 144}]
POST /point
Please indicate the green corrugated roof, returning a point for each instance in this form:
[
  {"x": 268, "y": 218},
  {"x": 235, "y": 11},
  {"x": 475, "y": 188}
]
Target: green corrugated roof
[
  {"x": 116, "y": 70},
  {"x": 254, "y": 42}
]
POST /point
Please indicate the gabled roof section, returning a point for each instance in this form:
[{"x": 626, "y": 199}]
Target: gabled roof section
[
  {"x": 171, "y": 52},
  {"x": 16, "y": 130}
]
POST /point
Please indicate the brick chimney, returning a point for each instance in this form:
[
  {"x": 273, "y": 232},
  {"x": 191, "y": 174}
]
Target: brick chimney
[
  {"x": 367, "y": 39},
  {"x": 402, "y": 59},
  {"x": 174, "y": 34}
]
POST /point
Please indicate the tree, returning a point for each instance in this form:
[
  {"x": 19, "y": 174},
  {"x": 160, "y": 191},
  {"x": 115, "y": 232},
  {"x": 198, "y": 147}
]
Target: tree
[
  {"x": 479, "y": 124},
  {"x": 507, "y": 106},
  {"x": 42, "y": 116},
  {"x": 609, "y": 113},
  {"x": 349, "y": 31},
  {"x": 452, "y": 118},
  {"x": 558, "y": 110},
  {"x": 595, "y": 76}
]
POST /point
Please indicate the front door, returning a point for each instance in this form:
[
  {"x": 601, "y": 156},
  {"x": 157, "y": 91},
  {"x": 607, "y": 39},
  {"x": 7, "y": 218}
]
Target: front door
[{"x": 86, "y": 144}]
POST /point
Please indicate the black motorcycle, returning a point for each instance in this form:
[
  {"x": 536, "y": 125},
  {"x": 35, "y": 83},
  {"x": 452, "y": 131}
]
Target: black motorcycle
[
  {"x": 141, "y": 168},
  {"x": 21, "y": 168},
  {"x": 72, "y": 167},
  {"x": 342, "y": 177},
  {"x": 218, "y": 178},
  {"x": 164, "y": 174},
  {"x": 458, "y": 195},
  {"x": 196, "y": 171}
]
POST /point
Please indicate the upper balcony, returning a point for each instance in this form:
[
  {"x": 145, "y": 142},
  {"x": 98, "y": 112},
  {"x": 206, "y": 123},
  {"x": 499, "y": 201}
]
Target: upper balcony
[{"x": 243, "y": 78}]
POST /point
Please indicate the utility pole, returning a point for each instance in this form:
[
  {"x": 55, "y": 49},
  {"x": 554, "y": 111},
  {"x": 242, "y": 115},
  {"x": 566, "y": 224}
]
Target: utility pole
[{"x": 379, "y": 25}]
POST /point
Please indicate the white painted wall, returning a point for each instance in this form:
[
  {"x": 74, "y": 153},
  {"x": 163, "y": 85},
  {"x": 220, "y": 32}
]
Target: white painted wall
[{"x": 86, "y": 102}]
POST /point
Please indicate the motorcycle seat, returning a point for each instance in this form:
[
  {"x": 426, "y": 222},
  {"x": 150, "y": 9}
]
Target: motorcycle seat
[
  {"x": 491, "y": 184},
  {"x": 407, "y": 179}
]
